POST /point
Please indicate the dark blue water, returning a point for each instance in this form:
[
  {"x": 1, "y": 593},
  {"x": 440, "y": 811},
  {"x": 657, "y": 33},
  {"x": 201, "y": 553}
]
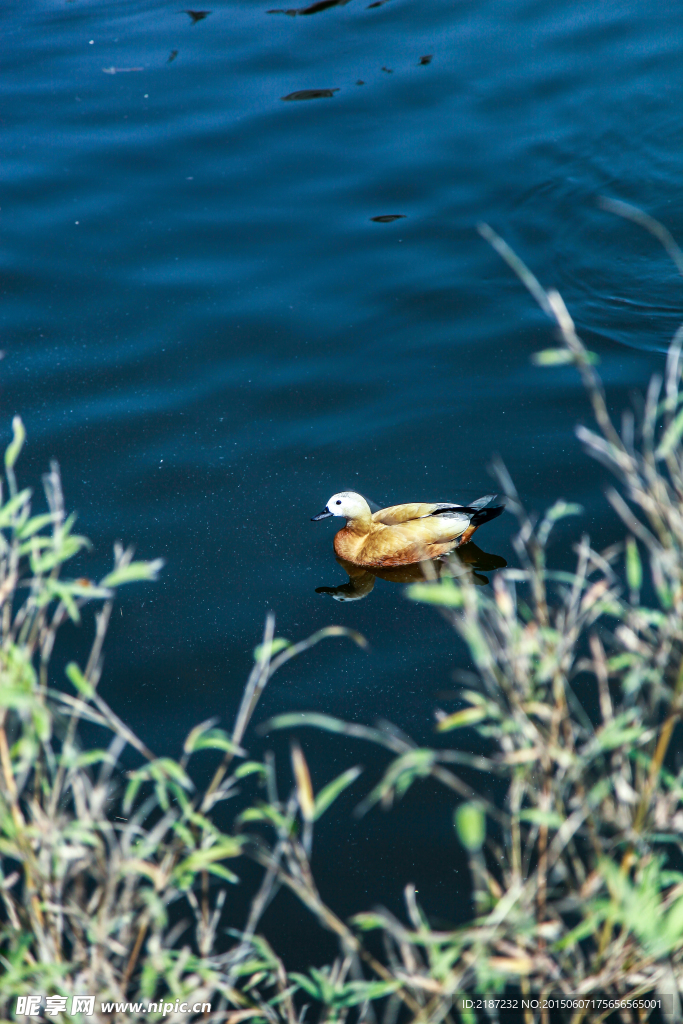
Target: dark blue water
[{"x": 203, "y": 323}]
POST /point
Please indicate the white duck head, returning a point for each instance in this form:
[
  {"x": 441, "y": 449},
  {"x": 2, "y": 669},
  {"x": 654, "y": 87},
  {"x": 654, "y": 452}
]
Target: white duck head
[{"x": 347, "y": 504}]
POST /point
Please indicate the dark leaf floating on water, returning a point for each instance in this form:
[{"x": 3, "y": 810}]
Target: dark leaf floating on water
[
  {"x": 321, "y": 5},
  {"x": 389, "y": 71},
  {"x": 386, "y": 218},
  {"x": 427, "y": 59},
  {"x": 197, "y": 15},
  {"x": 377, "y": 3},
  {"x": 310, "y": 94},
  {"x": 360, "y": 82},
  {"x": 174, "y": 54}
]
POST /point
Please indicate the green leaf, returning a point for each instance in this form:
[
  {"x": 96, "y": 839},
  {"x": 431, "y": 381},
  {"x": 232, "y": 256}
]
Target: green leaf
[
  {"x": 459, "y": 719},
  {"x": 89, "y": 757},
  {"x": 552, "y": 357},
  {"x": 619, "y": 733},
  {"x": 185, "y": 834},
  {"x": 12, "y": 507},
  {"x": 74, "y": 674},
  {"x": 265, "y": 812},
  {"x": 538, "y": 817},
  {"x": 167, "y": 767},
  {"x": 561, "y": 357},
  {"x": 563, "y": 508},
  {"x": 131, "y": 792},
  {"x": 62, "y": 592},
  {"x": 210, "y": 739},
  {"x": 16, "y": 444},
  {"x": 277, "y": 644},
  {"x": 557, "y": 511},
  {"x": 306, "y": 984},
  {"x": 217, "y": 739},
  {"x": 222, "y": 872},
  {"x": 445, "y": 593},
  {"x": 315, "y": 720},
  {"x": 55, "y": 556},
  {"x": 35, "y": 545},
  {"x": 598, "y": 792},
  {"x": 368, "y": 922},
  {"x": 199, "y": 860},
  {"x": 293, "y": 719},
  {"x": 133, "y": 573},
  {"x": 253, "y": 814},
  {"x": 329, "y": 793},
  {"x": 589, "y": 926},
  {"x": 250, "y": 768},
  {"x": 470, "y": 824},
  {"x": 180, "y": 795},
  {"x": 42, "y": 721},
  {"x": 399, "y": 776},
  {"x": 671, "y": 437},
  {"x": 193, "y": 734},
  {"x": 34, "y": 524},
  {"x": 81, "y": 588},
  {"x": 634, "y": 567},
  {"x": 356, "y": 992},
  {"x": 623, "y": 661},
  {"x": 167, "y": 775}
]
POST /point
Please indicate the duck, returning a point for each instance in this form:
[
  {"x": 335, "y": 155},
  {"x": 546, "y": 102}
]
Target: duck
[{"x": 403, "y": 534}]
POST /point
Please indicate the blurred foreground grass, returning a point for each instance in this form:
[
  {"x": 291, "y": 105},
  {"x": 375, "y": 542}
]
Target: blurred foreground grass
[{"x": 116, "y": 883}]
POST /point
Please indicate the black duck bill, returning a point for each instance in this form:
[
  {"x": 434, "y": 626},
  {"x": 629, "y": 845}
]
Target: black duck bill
[{"x": 325, "y": 514}]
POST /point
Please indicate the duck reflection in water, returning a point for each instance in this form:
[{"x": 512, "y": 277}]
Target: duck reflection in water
[{"x": 468, "y": 560}]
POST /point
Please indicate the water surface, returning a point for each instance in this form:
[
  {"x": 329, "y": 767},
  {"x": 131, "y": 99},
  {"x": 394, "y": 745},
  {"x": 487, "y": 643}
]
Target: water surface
[{"x": 206, "y": 326}]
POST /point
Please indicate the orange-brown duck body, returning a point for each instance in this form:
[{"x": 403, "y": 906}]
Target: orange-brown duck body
[{"x": 403, "y": 534}]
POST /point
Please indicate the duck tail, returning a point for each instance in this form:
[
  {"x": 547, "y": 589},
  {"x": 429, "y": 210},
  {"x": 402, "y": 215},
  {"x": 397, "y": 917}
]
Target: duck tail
[{"x": 485, "y": 515}]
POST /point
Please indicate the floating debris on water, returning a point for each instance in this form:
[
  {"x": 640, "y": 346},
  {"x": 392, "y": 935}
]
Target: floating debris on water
[
  {"x": 386, "y": 218},
  {"x": 172, "y": 57},
  {"x": 197, "y": 15},
  {"x": 310, "y": 94},
  {"x": 389, "y": 71},
  {"x": 360, "y": 82},
  {"x": 427, "y": 59},
  {"x": 120, "y": 71},
  {"x": 320, "y": 5}
]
